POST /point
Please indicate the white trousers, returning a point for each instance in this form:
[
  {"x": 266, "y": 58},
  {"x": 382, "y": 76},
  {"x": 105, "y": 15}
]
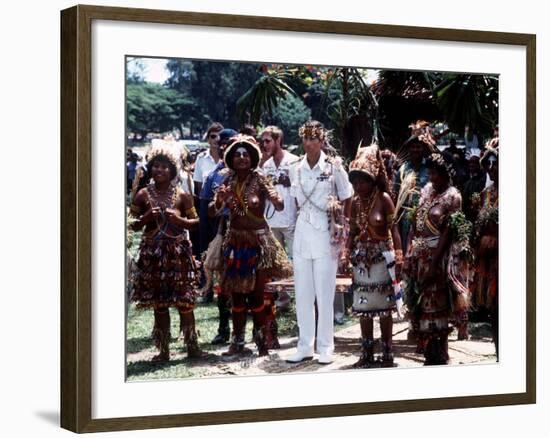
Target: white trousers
[{"x": 315, "y": 279}]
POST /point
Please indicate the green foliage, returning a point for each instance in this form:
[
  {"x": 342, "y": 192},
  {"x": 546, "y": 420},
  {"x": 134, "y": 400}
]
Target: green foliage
[
  {"x": 135, "y": 71},
  {"x": 214, "y": 87},
  {"x": 461, "y": 229},
  {"x": 289, "y": 115},
  {"x": 263, "y": 96},
  {"x": 469, "y": 100},
  {"x": 154, "y": 108}
]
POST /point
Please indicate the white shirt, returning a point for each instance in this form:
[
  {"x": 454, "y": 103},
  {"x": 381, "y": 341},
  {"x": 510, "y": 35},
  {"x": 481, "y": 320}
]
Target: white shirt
[
  {"x": 287, "y": 217},
  {"x": 312, "y": 188},
  {"x": 185, "y": 183},
  {"x": 204, "y": 164}
]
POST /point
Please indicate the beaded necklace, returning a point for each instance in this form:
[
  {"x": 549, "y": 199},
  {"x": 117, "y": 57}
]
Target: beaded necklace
[
  {"x": 164, "y": 200},
  {"x": 364, "y": 210},
  {"x": 424, "y": 208},
  {"x": 242, "y": 191}
]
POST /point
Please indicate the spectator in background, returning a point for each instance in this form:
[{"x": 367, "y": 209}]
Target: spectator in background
[
  {"x": 185, "y": 175},
  {"x": 471, "y": 141},
  {"x": 208, "y": 227},
  {"x": 249, "y": 130},
  {"x": 282, "y": 223},
  {"x": 474, "y": 185},
  {"x": 460, "y": 164},
  {"x": 411, "y": 177},
  {"x": 207, "y": 160},
  {"x": 131, "y": 167}
]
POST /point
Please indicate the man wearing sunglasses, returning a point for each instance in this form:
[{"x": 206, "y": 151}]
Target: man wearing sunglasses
[{"x": 207, "y": 160}]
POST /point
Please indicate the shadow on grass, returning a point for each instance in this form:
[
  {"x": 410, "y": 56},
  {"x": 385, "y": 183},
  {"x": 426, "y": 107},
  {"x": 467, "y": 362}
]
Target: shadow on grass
[
  {"x": 142, "y": 367},
  {"x": 136, "y": 345}
]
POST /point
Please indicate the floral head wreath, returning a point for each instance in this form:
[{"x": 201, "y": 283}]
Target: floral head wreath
[{"x": 311, "y": 131}]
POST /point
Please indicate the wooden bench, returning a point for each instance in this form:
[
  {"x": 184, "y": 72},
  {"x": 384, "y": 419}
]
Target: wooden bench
[{"x": 287, "y": 285}]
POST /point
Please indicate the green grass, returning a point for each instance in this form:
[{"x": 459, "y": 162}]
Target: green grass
[{"x": 140, "y": 347}]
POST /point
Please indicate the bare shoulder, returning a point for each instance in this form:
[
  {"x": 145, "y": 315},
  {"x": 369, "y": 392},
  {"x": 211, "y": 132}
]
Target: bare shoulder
[
  {"x": 185, "y": 200},
  {"x": 141, "y": 196},
  {"x": 387, "y": 201}
]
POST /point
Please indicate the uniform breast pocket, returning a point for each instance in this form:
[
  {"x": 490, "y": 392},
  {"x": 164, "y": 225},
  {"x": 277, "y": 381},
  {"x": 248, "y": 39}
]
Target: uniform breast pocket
[{"x": 324, "y": 186}]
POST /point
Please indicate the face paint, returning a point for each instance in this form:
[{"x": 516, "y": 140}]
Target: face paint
[{"x": 241, "y": 152}]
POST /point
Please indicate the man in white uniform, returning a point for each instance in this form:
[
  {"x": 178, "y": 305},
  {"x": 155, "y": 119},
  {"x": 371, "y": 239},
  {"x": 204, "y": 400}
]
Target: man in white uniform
[{"x": 313, "y": 180}]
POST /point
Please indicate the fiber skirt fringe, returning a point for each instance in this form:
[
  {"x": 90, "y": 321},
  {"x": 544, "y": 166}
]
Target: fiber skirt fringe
[
  {"x": 166, "y": 274},
  {"x": 248, "y": 253},
  {"x": 426, "y": 299}
]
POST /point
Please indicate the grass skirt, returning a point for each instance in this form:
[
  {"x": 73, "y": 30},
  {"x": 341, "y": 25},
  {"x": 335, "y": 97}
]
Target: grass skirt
[
  {"x": 248, "y": 253},
  {"x": 426, "y": 300},
  {"x": 166, "y": 273}
]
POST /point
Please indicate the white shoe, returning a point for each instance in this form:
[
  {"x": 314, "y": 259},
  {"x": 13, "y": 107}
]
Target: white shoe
[
  {"x": 299, "y": 356},
  {"x": 325, "y": 358}
]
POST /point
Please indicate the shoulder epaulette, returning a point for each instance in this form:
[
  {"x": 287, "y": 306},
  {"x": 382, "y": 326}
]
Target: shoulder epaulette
[{"x": 296, "y": 161}]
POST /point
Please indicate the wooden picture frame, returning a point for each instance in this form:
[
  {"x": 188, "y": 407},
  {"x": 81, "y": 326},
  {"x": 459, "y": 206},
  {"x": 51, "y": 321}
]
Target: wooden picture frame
[{"x": 76, "y": 218}]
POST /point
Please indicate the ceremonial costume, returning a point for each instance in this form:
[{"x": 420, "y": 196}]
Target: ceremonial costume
[
  {"x": 485, "y": 285},
  {"x": 166, "y": 274},
  {"x": 376, "y": 291},
  {"x": 434, "y": 293},
  {"x": 251, "y": 252}
]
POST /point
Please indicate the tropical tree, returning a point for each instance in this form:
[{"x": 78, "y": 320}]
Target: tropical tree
[
  {"x": 214, "y": 87},
  {"x": 154, "y": 108},
  {"x": 469, "y": 100},
  {"x": 264, "y": 96},
  {"x": 404, "y": 97},
  {"x": 289, "y": 115}
]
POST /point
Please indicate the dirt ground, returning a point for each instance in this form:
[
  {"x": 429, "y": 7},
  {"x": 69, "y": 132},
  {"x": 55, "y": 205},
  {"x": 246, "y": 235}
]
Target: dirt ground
[{"x": 479, "y": 349}]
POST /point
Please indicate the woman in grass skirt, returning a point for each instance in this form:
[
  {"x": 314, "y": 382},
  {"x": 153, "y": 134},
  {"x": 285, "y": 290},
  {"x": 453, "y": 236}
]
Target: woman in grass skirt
[
  {"x": 437, "y": 286},
  {"x": 374, "y": 249},
  {"x": 485, "y": 285},
  {"x": 252, "y": 254},
  {"x": 166, "y": 274}
]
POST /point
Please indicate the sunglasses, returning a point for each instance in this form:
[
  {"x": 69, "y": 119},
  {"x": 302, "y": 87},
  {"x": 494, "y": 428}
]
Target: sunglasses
[{"x": 214, "y": 136}]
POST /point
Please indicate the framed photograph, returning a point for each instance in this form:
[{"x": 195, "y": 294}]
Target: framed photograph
[{"x": 147, "y": 91}]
